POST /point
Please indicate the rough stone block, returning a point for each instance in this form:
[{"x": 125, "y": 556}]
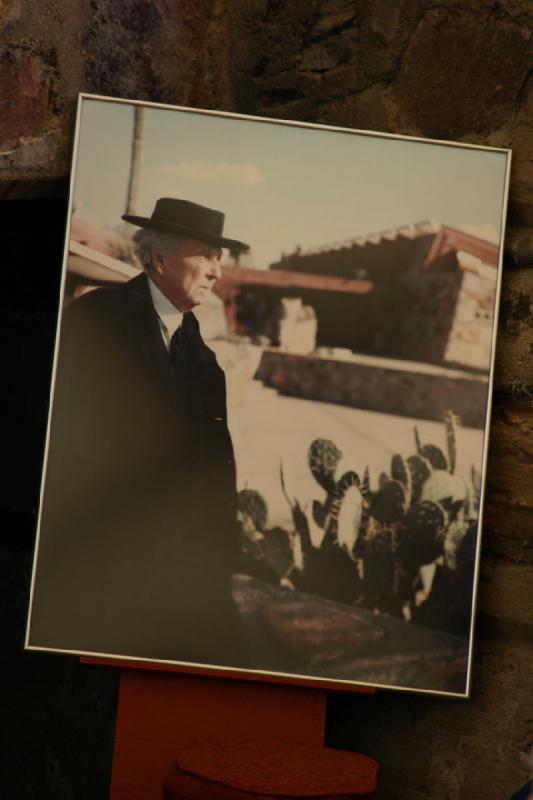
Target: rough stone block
[
  {"x": 519, "y": 246},
  {"x": 9, "y": 10},
  {"x": 514, "y": 348},
  {"x": 451, "y": 83},
  {"x": 508, "y": 510},
  {"x": 33, "y": 159},
  {"x": 458, "y": 70},
  {"x": 504, "y": 597},
  {"x": 26, "y": 82},
  {"x": 446, "y": 748},
  {"x": 521, "y": 189}
]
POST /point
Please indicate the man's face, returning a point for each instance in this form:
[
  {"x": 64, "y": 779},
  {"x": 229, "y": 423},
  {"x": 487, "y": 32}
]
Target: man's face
[{"x": 187, "y": 277}]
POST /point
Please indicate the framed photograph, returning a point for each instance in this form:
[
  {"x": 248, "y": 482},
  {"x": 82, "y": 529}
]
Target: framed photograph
[{"x": 270, "y": 401}]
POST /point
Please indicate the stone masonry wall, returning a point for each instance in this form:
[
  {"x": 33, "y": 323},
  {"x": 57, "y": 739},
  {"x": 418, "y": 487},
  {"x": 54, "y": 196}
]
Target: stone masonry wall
[
  {"x": 458, "y": 69},
  {"x": 375, "y": 384},
  {"x": 455, "y": 69}
]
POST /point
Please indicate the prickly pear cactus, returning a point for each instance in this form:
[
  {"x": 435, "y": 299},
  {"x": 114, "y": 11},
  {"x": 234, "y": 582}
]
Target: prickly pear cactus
[
  {"x": 425, "y": 517},
  {"x": 451, "y": 421},
  {"x": 323, "y": 456},
  {"x": 344, "y": 513},
  {"x": 443, "y": 486},
  {"x": 349, "y": 518},
  {"x": 418, "y": 443},
  {"x": 331, "y": 472},
  {"x": 422, "y": 534},
  {"x": 349, "y": 478},
  {"x": 389, "y": 503},
  {"x": 400, "y": 471},
  {"x": 252, "y": 503},
  {"x": 475, "y": 477},
  {"x": 435, "y": 456},
  {"x": 378, "y": 570},
  {"x": 466, "y": 548},
  {"x": 420, "y": 470},
  {"x": 319, "y": 511},
  {"x": 365, "y": 484},
  {"x": 383, "y": 479}
]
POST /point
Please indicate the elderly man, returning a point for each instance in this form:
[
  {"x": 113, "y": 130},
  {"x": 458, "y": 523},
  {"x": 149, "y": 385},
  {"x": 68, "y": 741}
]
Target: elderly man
[{"x": 137, "y": 531}]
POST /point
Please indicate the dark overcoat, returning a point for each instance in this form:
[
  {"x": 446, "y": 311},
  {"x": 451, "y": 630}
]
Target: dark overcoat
[{"x": 137, "y": 531}]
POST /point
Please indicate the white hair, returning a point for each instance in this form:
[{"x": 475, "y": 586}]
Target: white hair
[{"x": 147, "y": 242}]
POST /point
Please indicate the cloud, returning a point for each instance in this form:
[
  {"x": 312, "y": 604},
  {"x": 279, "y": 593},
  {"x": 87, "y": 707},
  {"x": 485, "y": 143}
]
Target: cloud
[{"x": 216, "y": 172}]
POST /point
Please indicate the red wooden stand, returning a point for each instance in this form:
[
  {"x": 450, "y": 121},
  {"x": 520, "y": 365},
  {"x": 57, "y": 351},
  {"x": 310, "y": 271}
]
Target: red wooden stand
[{"x": 160, "y": 709}]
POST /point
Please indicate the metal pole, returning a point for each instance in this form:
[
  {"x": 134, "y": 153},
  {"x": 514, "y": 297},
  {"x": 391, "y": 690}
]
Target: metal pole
[{"x": 135, "y": 168}]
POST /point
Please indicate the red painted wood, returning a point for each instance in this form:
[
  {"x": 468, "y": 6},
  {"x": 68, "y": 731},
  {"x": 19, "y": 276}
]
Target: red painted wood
[
  {"x": 269, "y": 771},
  {"x": 161, "y": 708},
  {"x": 160, "y": 711},
  {"x": 239, "y": 276}
]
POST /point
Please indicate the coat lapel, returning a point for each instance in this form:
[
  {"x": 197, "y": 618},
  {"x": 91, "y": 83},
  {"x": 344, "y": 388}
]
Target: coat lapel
[{"x": 144, "y": 328}]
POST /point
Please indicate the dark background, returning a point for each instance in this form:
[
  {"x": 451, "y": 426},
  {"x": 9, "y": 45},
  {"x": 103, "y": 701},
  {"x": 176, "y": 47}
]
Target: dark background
[{"x": 460, "y": 69}]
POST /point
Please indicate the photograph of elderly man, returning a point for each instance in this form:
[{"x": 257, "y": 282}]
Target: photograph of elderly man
[
  {"x": 141, "y": 496},
  {"x": 267, "y": 453}
]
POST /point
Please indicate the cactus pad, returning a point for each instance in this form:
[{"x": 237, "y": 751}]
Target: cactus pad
[
  {"x": 323, "y": 456},
  {"x": 420, "y": 469},
  {"x": 400, "y": 471},
  {"x": 421, "y": 539},
  {"x": 365, "y": 485},
  {"x": 389, "y": 503},
  {"x": 252, "y": 503},
  {"x": 443, "y": 486},
  {"x": 435, "y": 456}
]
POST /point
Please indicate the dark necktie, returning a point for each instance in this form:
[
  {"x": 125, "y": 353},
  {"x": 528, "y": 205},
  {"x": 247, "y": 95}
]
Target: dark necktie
[
  {"x": 199, "y": 379},
  {"x": 179, "y": 346}
]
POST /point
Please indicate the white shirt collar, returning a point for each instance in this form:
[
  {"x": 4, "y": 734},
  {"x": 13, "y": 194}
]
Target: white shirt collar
[{"x": 169, "y": 316}]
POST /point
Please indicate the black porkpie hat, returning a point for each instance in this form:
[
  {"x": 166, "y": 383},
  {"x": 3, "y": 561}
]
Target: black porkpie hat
[{"x": 172, "y": 215}]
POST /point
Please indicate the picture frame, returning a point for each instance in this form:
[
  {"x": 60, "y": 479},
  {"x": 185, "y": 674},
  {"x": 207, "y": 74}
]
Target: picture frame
[{"x": 309, "y": 505}]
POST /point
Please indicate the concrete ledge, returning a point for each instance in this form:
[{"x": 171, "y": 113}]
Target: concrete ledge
[{"x": 411, "y": 390}]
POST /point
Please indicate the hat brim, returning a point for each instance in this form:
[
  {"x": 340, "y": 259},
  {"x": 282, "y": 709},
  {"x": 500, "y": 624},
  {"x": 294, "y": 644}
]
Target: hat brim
[{"x": 172, "y": 227}]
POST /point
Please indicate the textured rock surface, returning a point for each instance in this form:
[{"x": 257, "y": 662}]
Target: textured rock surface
[
  {"x": 514, "y": 352},
  {"x": 458, "y": 69},
  {"x": 508, "y": 518},
  {"x": 367, "y": 384},
  {"x": 450, "y": 84},
  {"x": 519, "y": 246},
  {"x": 456, "y": 750}
]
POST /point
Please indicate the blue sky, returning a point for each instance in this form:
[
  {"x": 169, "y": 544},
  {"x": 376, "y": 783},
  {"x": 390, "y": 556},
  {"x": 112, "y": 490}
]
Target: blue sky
[{"x": 281, "y": 185}]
